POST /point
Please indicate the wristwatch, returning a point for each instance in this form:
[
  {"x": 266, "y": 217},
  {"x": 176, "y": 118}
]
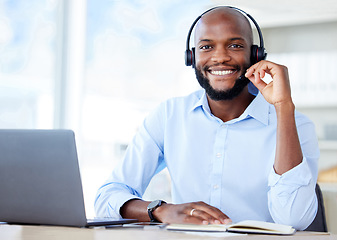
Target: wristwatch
[{"x": 153, "y": 206}]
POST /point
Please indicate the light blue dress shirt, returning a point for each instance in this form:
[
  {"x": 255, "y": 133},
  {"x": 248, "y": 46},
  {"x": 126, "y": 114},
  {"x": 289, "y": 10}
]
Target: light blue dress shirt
[{"x": 228, "y": 165}]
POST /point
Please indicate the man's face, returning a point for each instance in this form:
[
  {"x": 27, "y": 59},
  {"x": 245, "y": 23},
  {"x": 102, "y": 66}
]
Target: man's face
[{"x": 222, "y": 54}]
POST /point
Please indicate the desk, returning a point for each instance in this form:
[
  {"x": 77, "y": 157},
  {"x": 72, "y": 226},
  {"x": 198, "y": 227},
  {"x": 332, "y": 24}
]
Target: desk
[{"x": 27, "y": 232}]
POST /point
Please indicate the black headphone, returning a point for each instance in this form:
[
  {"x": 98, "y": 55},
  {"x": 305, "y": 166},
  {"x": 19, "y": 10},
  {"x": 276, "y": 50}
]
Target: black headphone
[{"x": 258, "y": 53}]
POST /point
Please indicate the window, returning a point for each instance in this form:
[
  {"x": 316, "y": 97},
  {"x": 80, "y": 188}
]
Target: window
[
  {"x": 134, "y": 60},
  {"x": 27, "y": 63}
]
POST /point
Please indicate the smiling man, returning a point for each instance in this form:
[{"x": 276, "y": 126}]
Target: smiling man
[
  {"x": 233, "y": 50},
  {"x": 233, "y": 154}
]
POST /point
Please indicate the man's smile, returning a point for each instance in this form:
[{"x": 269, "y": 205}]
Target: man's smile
[{"x": 221, "y": 72}]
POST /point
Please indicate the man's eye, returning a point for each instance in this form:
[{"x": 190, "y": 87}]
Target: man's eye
[
  {"x": 236, "y": 46},
  {"x": 206, "y": 47}
]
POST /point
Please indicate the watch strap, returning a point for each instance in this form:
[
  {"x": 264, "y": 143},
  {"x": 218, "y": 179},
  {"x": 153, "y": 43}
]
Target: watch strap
[{"x": 157, "y": 203}]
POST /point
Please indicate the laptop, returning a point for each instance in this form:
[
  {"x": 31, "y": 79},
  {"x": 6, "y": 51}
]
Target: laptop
[{"x": 40, "y": 180}]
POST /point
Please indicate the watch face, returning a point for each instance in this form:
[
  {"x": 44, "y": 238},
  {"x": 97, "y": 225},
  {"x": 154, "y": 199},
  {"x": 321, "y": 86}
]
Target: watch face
[{"x": 153, "y": 204}]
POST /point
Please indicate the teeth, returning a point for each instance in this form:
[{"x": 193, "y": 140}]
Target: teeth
[{"x": 221, "y": 73}]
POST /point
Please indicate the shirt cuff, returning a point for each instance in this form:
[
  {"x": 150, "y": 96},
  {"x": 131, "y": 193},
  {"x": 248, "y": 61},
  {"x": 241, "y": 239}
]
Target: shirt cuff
[
  {"x": 296, "y": 177},
  {"x": 116, "y": 200}
]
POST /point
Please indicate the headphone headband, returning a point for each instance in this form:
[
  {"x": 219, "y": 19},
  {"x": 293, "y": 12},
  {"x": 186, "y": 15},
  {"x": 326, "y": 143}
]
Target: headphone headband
[{"x": 258, "y": 53}]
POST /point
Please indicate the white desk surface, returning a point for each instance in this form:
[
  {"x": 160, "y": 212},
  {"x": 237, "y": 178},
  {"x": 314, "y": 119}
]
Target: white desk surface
[{"x": 28, "y": 232}]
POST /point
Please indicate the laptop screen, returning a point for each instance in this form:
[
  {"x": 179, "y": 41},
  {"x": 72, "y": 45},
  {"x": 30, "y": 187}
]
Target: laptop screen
[{"x": 39, "y": 178}]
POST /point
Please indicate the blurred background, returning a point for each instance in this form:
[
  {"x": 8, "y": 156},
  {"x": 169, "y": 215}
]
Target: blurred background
[{"x": 99, "y": 67}]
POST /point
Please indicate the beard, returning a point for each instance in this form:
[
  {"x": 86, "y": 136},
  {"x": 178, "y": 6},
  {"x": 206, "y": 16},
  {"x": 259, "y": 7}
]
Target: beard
[{"x": 218, "y": 95}]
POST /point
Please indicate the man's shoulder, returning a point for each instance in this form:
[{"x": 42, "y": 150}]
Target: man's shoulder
[
  {"x": 302, "y": 118},
  {"x": 179, "y": 105},
  {"x": 185, "y": 101}
]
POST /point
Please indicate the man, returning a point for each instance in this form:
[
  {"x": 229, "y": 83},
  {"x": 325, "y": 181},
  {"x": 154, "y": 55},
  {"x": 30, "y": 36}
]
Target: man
[{"x": 231, "y": 155}]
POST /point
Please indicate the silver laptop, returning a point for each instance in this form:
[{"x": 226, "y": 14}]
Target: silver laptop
[{"x": 40, "y": 180}]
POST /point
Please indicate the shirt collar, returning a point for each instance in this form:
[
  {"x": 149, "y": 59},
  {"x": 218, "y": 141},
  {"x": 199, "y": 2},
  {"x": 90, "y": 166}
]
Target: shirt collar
[
  {"x": 257, "y": 109},
  {"x": 202, "y": 102}
]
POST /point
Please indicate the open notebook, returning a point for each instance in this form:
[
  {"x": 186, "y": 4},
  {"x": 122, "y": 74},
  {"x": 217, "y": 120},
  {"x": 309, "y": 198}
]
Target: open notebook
[
  {"x": 247, "y": 226},
  {"x": 40, "y": 180}
]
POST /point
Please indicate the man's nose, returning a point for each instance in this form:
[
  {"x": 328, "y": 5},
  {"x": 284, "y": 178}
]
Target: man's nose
[{"x": 221, "y": 55}]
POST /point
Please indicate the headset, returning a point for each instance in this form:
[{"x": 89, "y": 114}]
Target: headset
[{"x": 258, "y": 53}]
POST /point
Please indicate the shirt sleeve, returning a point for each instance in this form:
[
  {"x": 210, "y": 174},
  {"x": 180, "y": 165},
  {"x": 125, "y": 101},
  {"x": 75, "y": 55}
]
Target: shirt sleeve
[
  {"x": 130, "y": 178},
  {"x": 291, "y": 198}
]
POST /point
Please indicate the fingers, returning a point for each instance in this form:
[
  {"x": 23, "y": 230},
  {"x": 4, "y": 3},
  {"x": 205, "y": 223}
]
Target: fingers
[
  {"x": 276, "y": 91},
  {"x": 202, "y": 213},
  {"x": 202, "y": 217},
  {"x": 256, "y": 73},
  {"x": 195, "y": 212}
]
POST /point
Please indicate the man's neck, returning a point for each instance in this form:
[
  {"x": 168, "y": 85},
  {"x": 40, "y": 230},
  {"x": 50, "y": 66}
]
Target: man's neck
[{"x": 227, "y": 110}]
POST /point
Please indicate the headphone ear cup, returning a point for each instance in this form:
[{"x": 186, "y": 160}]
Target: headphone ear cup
[
  {"x": 257, "y": 54},
  {"x": 261, "y": 53},
  {"x": 189, "y": 57},
  {"x": 253, "y": 54},
  {"x": 193, "y": 57}
]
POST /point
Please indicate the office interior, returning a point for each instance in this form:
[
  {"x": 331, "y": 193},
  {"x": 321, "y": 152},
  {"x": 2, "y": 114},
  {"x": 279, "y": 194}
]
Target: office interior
[{"x": 99, "y": 67}]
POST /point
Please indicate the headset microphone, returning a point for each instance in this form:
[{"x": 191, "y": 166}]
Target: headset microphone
[{"x": 258, "y": 53}]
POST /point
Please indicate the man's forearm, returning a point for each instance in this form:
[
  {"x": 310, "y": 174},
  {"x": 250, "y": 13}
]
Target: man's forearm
[
  {"x": 288, "y": 148},
  {"x": 194, "y": 212},
  {"x": 136, "y": 209}
]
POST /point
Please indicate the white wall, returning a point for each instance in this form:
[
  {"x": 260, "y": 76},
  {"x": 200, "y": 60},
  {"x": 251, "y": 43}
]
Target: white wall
[{"x": 310, "y": 53}]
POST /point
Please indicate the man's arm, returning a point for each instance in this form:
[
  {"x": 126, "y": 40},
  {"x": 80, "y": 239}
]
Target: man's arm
[
  {"x": 195, "y": 212},
  {"x": 121, "y": 194},
  {"x": 288, "y": 148},
  {"x": 291, "y": 198}
]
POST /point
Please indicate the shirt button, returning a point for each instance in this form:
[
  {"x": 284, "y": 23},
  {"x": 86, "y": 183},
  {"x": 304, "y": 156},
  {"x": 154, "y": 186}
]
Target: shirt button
[
  {"x": 215, "y": 186},
  {"x": 218, "y": 155}
]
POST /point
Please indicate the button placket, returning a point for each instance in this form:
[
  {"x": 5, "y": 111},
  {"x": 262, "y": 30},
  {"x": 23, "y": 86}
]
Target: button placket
[{"x": 218, "y": 161}]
